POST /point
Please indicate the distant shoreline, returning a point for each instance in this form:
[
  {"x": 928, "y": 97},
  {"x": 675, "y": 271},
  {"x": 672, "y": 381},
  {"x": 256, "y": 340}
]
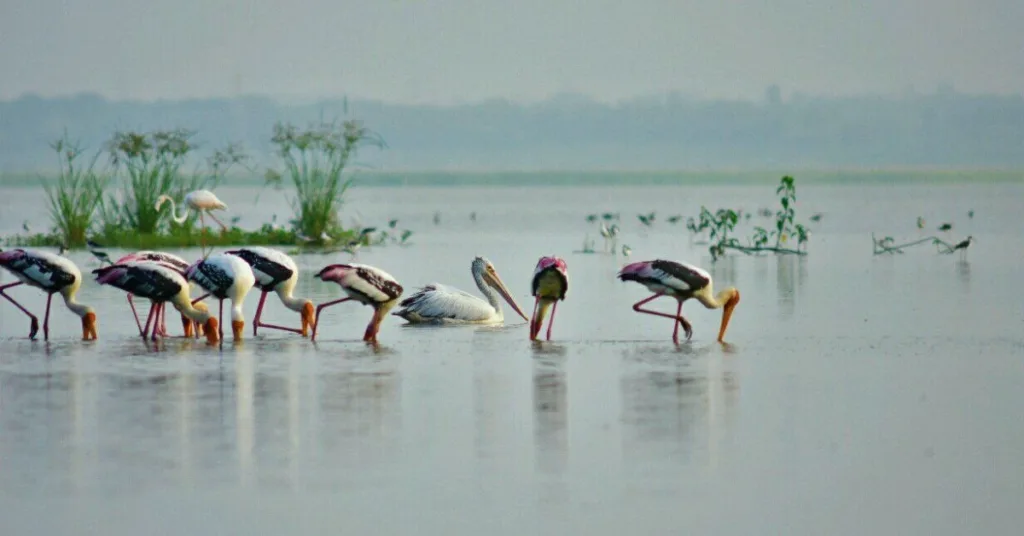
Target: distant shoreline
[{"x": 615, "y": 178}]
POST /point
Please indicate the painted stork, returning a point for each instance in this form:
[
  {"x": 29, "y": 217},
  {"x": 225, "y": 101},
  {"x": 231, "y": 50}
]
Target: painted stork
[
  {"x": 159, "y": 283},
  {"x": 682, "y": 282},
  {"x": 201, "y": 201},
  {"x": 437, "y": 303},
  {"x": 172, "y": 262},
  {"x": 367, "y": 285},
  {"x": 52, "y": 274},
  {"x": 226, "y": 277},
  {"x": 276, "y": 272},
  {"x": 550, "y": 283}
]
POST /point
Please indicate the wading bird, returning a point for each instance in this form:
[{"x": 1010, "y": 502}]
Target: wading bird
[
  {"x": 682, "y": 282},
  {"x": 962, "y": 246},
  {"x": 945, "y": 227},
  {"x": 550, "y": 283},
  {"x": 276, "y": 272},
  {"x": 226, "y": 277},
  {"x": 172, "y": 262},
  {"x": 160, "y": 284},
  {"x": 365, "y": 284},
  {"x": 437, "y": 303},
  {"x": 52, "y": 274},
  {"x": 609, "y": 233},
  {"x": 201, "y": 201}
]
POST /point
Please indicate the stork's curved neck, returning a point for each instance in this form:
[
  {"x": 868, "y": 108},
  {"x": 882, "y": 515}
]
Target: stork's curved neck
[
  {"x": 284, "y": 292},
  {"x": 71, "y": 301},
  {"x": 183, "y": 303},
  {"x": 715, "y": 301},
  {"x": 488, "y": 292}
]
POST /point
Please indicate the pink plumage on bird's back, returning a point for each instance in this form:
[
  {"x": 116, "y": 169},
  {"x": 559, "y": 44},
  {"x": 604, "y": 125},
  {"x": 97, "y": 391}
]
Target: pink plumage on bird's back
[
  {"x": 10, "y": 255},
  {"x": 635, "y": 268},
  {"x": 113, "y": 274},
  {"x": 334, "y": 272}
]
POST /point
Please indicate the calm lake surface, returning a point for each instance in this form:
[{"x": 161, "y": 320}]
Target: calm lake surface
[{"x": 858, "y": 394}]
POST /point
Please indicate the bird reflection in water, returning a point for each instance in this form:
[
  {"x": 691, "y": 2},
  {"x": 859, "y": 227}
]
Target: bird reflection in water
[{"x": 551, "y": 419}]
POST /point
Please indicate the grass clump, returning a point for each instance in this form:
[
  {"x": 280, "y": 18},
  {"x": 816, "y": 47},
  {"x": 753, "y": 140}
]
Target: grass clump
[
  {"x": 314, "y": 159},
  {"x": 77, "y": 196},
  {"x": 149, "y": 163}
]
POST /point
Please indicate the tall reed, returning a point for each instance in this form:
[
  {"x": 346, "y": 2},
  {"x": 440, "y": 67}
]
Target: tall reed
[
  {"x": 315, "y": 160},
  {"x": 77, "y": 195}
]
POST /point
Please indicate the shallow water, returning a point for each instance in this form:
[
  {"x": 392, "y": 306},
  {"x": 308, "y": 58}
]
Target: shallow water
[{"x": 858, "y": 394}]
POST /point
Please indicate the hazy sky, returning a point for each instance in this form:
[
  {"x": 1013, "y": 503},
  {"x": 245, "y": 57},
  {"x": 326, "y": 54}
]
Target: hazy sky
[{"x": 458, "y": 50}]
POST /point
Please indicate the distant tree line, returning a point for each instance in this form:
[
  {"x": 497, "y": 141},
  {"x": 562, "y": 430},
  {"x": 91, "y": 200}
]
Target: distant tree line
[{"x": 942, "y": 129}]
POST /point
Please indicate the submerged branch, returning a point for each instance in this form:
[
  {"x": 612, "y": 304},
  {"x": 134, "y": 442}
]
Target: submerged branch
[
  {"x": 749, "y": 250},
  {"x": 886, "y": 245}
]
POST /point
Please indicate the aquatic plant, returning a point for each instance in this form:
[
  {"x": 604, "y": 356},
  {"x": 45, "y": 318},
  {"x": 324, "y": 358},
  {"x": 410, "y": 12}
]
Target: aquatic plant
[
  {"x": 149, "y": 163},
  {"x": 314, "y": 160},
  {"x": 722, "y": 222},
  {"x": 78, "y": 193}
]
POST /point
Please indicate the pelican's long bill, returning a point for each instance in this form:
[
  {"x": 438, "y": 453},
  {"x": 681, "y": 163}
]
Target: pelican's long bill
[
  {"x": 727, "y": 314},
  {"x": 495, "y": 281}
]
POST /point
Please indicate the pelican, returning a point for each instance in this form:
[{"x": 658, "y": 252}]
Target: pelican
[
  {"x": 550, "y": 283},
  {"x": 226, "y": 277},
  {"x": 367, "y": 285},
  {"x": 201, "y": 201},
  {"x": 161, "y": 284},
  {"x": 50, "y": 273},
  {"x": 437, "y": 303},
  {"x": 682, "y": 282},
  {"x": 276, "y": 272}
]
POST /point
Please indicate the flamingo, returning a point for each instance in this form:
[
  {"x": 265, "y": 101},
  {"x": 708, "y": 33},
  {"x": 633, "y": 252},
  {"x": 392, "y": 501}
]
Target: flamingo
[
  {"x": 437, "y": 303},
  {"x": 550, "y": 283},
  {"x": 161, "y": 284},
  {"x": 276, "y": 272},
  {"x": 226, "y": 277},
  {"x": 172, "y": 262},
  {"x": 367, "y": 285},
  {"x": 52, "y": 274},
  {"x": 682, "y": 282},
  {"x": 201, "y": 201}
]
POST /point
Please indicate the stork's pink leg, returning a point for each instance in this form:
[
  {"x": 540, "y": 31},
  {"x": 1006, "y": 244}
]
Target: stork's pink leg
[
  {"x": 131, "y": 304},
  {"x": 533, "y": 325},
  {"x": 551, "y": 322},
  {"x": 257, "y": 323},
  {"x": 678, "y": 317},
  {"x": 163, "y": 320},
  {"x": 34, "y": 325},
  {"x": 46, "y": 318},
  {"x": 201, "y": 298},
  {"x": 316, "y": 317},
  {"x": 259, "y": 312},
  {"x": 149, "y": 320},
  {"x": 158, "y": 308},
  {"x": 220, "y": 319},
  {"x": 202, "y": 236}
]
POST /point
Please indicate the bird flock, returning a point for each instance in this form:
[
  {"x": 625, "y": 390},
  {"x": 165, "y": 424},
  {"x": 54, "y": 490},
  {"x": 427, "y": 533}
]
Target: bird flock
[{"x": 231, "y": 275}]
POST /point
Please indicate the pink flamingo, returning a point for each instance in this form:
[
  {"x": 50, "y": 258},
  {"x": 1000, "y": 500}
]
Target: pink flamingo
[{"x": 682, "y": 282}]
